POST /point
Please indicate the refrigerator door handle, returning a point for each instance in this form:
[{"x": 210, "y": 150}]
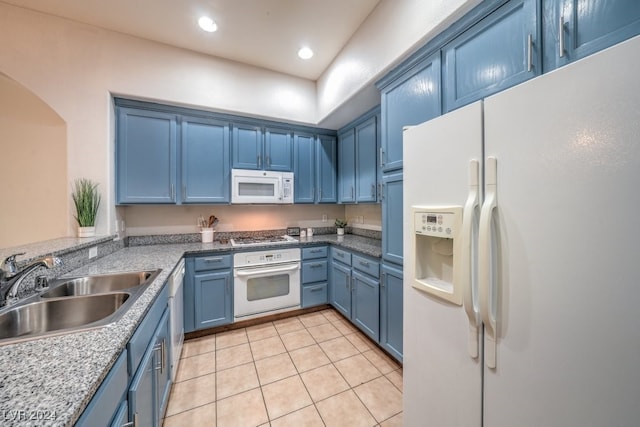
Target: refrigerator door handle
[
  {"x": 488, "y": 292},
  {"x": 469, "y": 284}
]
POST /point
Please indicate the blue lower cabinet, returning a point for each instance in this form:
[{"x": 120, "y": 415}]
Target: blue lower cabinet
[
  {"x": 142, "y": 394},
  {"x": 208, "y": 296},
  {"x": 315, "y": 294},
  {"x": 341, "y": 288},
  {"x": 149, "y": 390},
  {"x": 366, "y": 304},
  {"x": 391, "y": 309},
  {"x": 213, "y": 299}
]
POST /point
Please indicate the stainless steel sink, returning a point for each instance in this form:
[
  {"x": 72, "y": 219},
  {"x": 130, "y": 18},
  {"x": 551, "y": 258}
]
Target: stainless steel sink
[
  {"x": 98, "y": 284},
  {"x": 57, "y": 314},
  {"x": 73, "y": 304}
]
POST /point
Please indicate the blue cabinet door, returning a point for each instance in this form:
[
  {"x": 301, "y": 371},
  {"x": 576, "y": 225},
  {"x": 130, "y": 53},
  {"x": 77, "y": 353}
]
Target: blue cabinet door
[
  {"x": 163, "y": 367},
  {"x": 392, "y": 218},
  {"x": 205, "y": 161},
  {"x": 304, "y": 169},
  {"x": 391, "y": 307},
  {"x": 326, "y": 157},
  {"x": 347, "y": 167},
  {"x": 366, "y": 161},
  {"x": 146, "y": 157},
  {"x": 410, "y": 100},
  {"x": 142, "y": 393},
  {"x": 574, "y": 29},
  {"x": 498, "y": 52},
  {"x": 341, "y": 288},
  {"x": 366, "y": 304},
  {"x": 212, "y": 299},
  {"x": 278, "y": 150},
  {"x": 247, "y": 147}
]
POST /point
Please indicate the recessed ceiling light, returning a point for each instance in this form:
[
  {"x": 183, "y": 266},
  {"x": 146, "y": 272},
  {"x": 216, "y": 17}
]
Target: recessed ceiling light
[
  {"x": 207, "y": 24},
  {"x": 305, "y": 53}
]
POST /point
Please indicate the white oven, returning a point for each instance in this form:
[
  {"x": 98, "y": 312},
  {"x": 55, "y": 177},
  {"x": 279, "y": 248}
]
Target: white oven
[
  {"x": 266, "y": 282},
  {"x": 254, "y": 186}
]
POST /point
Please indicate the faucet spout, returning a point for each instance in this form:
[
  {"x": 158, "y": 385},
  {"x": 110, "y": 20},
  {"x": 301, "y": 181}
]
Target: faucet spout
[{"x": 10, "y": 283}]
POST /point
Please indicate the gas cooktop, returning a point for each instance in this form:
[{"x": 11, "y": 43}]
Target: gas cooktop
[{"x": 261, "y": 240}]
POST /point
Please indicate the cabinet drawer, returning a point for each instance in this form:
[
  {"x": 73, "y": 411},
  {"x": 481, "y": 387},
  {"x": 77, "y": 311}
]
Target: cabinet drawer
[
  {"x": 213, "y": 262},
  {"x": 340, "y": 255},
  {"x": 314, "y": 271},
  {"x": 140, "y": 339},
  {"x": 311, "y": 253},
  {"x": 314, "y": 295},
  {"x": 365, "y": 265}
]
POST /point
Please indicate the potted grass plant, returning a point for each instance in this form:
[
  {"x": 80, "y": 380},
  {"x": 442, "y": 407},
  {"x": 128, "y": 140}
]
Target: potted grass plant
[
  {"x": 340, "y": 225},
  {"x": 87, "y": 201}
]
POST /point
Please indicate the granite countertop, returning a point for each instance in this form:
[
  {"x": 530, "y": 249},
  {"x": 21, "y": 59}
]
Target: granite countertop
[{"x": 53, "y": 379}]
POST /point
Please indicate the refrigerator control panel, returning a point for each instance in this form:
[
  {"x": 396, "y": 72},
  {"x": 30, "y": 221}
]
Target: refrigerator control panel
[{"x": 436, "y": 224}]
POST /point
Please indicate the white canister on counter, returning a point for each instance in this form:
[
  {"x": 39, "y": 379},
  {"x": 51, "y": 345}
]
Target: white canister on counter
[
  {"x": 207, "y": 235},
  {"x": 303, "y": 234},
  {"x": 309, "y": 232}
]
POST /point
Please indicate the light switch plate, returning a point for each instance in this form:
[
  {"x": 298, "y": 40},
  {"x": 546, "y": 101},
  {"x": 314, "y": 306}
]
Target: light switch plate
[{"x": 93, "y": 252}]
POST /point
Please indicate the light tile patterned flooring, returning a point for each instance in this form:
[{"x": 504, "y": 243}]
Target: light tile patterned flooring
[{"x": 315, "y": 369}]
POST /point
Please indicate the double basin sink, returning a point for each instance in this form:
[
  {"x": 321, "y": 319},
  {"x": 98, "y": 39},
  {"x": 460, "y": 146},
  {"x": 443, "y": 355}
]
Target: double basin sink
[{"x": 73, "y": 304}]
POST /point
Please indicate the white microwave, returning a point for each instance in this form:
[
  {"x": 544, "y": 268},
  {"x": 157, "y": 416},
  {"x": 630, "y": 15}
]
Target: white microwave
[{"x": 267, "y": 187}]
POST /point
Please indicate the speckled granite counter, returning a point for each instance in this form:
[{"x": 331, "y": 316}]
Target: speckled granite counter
[{"x": 56, "y": 377}]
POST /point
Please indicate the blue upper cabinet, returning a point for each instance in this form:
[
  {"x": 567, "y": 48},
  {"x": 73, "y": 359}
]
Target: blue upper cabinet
[
  {"x": 247, "y": 147},
  {"x": 347, "y": 166},
  {"x": 278, "y": 150},
  {"x": 498, "y": 52},
  {"x": 366, "y": 161},
  {"x": 358, "y": 160},
  {"x": 574, "y": 29},
  {"x": 326, "y": 162},
  {"x": 304, "y": 157},
  {"x": 412, "y": 98},
  {"x": 146, "y": 157},
  {"x": 205, "y": 161}
]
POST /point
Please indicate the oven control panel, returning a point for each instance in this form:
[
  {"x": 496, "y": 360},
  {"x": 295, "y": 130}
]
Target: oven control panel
[{"x": 266, "y": 257}]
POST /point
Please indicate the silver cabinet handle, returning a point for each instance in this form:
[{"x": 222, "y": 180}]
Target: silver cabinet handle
[
  {"x": 209, "y": 260},
  {"x": 259, "y": 160},
  {"x": 316, "y": 289},
  {"x": 315, "y": 251},
  {"x": 381, "y": 157},
  {"x": 173, "y": 192},
  {"x": 268, "y": 161},
  {"x": 133, "y": 423},
  {"x": 384, "y": 278},
  {"x": 529, "y": 52},
  {"x": 364, "y": 263},
  {"x": 373, "y": 190},
  {"x": 163, "y": 355},
  {"x": 561, "y": 36},
  {"x": 352, "y": 191},
  {"x": 156, "y": 349},
  {"x": 317, "y": 265},
  {"x": 226, "y": 284}
]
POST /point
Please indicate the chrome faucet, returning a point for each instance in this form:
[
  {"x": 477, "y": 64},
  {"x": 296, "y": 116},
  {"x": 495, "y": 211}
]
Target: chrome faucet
[{"x": 11, "y": 277}]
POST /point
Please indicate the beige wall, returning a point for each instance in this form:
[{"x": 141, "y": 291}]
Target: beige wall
[
  {"x": 76, "y": 68},
  {"x": 365, "y": 215},
  {"x": 143, "y": 220},
  {"x": 33, "y": 152}
]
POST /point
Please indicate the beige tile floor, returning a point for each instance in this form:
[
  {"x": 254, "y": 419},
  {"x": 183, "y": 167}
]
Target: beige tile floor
[{"x": 315, "y": 369}]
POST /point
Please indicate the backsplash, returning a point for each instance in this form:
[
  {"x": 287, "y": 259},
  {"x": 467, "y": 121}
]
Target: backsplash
[{"x": 159, "y": 239}]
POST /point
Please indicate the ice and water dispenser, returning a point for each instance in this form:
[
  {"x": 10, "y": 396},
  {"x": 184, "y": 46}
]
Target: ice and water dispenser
[{"x": 436, "y": 250}]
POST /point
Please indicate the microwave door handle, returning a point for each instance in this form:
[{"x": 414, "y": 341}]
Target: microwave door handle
[{"x": 247, "y": 273}]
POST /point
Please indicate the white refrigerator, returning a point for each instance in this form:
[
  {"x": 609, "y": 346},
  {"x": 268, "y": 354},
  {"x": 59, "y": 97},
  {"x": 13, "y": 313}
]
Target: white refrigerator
[{"x": 522, "y": 261}]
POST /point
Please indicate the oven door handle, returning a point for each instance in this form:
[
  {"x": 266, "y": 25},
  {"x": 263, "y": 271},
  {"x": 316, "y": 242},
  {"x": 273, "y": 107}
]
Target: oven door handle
[{"x": 247, "y": 273}]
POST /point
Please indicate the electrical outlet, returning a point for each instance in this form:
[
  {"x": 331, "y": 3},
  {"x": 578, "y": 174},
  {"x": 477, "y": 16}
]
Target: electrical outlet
[
  {"x": 324, "y": 217},
  {"x": 93, "y": 252}
]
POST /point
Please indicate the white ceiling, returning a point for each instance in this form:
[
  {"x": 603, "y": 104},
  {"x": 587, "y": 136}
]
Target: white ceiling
[{"x": 264, "y": 33}]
